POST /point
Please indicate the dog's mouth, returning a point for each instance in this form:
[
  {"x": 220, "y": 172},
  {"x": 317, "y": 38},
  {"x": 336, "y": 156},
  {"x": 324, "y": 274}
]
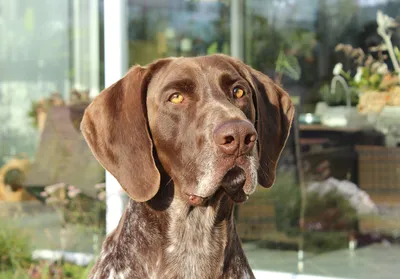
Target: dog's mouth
[
  {"x": 236, "y": 179},
  {"x": 233, "y": 183}
]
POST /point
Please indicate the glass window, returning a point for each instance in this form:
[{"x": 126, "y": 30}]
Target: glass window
[
  {"x": 49, "y": 57},
  {"x": 334, "y": 210},
  {"x": 338, "y": 202},
  {"x": 176, "y": 28}
]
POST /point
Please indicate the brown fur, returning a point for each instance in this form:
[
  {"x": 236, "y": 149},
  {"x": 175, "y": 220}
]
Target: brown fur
[{"x": 165, "y": 154}]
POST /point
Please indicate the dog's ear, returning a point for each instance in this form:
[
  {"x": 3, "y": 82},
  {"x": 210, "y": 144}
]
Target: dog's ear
[
  {"x": 116, "y": 130},
  {"x": 275, "y": 113}
]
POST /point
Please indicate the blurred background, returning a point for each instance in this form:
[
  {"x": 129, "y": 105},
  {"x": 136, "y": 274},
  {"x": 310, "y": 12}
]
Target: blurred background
[{"x": 334, "y": 211}]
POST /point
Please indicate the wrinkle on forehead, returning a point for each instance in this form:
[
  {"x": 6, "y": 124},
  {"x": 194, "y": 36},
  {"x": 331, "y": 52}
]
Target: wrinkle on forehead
[
  {"x": 199, "y": 69},
  {"x": 181, "y": 68}
]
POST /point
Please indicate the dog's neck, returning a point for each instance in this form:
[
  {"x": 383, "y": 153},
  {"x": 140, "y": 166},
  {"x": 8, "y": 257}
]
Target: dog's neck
[{"x": 197, "y": 239}]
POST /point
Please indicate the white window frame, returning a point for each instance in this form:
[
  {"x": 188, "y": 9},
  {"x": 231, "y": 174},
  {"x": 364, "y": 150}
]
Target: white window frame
[{"x": 115, "y": 67}]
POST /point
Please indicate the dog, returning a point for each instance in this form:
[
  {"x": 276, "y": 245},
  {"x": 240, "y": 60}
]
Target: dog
[{"x": 187, "y": 139}]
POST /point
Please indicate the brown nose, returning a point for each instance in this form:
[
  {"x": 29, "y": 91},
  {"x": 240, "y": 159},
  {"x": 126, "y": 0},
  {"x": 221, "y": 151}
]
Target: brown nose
[{"x": 236, "y": 136}]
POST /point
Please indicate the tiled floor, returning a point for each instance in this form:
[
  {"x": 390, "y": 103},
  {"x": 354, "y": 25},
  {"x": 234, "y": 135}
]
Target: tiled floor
[{"x": 377, "y": 261}]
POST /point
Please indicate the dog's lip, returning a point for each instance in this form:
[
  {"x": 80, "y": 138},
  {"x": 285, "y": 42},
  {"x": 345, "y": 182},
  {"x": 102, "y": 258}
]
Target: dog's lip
[
  {"x": 196, "y": 200},
  {"x": 188, "y": 194},
  {"x": 237, "y": 197}
]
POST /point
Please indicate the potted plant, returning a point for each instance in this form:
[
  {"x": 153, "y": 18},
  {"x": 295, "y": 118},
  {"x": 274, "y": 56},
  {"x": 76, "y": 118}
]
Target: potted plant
[
  {"x": 369, "y": 90},
  {"x": 380, "y": 87},
  {"x": 341, "y": 96},
  {"x": 380, "y": 98}
]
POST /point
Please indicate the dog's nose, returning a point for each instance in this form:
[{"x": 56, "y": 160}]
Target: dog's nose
[{"x": 236, "y": 136}]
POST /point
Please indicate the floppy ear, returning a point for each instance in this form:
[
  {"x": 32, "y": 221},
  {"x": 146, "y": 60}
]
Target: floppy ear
[
  {"x": 115, "y": 128},
  {"x": 275, "y": 113}
]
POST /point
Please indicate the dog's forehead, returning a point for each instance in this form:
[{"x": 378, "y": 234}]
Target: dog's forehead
[{"x": 200, "y": 69}]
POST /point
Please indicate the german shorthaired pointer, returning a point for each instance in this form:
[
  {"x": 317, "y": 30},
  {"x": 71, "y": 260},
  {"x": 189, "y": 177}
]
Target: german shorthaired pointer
[{"x": 186, "y": 138}]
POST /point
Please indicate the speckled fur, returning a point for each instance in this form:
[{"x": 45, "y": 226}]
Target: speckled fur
[{"x": 181, "y": 242}]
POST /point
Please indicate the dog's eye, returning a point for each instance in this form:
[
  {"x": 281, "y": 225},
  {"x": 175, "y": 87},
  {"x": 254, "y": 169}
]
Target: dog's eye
[
  {"x": 238, "y": 92},
  {"x": 176, "y": 98}
]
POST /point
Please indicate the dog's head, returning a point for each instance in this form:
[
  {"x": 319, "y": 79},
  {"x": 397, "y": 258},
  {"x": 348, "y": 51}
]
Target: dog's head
[{"x": 212, "y": 122}]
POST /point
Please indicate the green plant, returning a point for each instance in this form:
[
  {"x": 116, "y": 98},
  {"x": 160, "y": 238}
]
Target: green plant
[
  {"x": 14, "y": 274},
  {"x": 76, "y": 272},
  {"x": 15, "y": 247},
  {"x": 338, "y": 97},
  {"x": 48, "y": 270},
  {"x": 74, "y": 207},
  {"x": 328, "y": 212},
  {"x": 288, "y": 65},
  {"x": 213, "y": 48},
  {"x": 322, "y": 242},
  {"x": 56, "y": 270},
  {"x": 16, "y": 259},
  {"x": 328, "y": 217},
  {"x": 276, "y": 46},
  {"x": 286, "y": 196}
]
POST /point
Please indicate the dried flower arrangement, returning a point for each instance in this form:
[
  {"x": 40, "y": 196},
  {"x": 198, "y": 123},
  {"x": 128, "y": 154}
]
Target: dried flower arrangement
[
  {"x": 373, "y": 86},
  {"x": 388, "y": 91}
]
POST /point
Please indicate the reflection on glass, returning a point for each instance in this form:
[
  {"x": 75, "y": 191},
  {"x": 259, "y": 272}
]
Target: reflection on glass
[
  {"x": 348, "y": 138},
  {"x": 345, "y": 219},
  {"x": 179, "y": 28},
  {"x": 49, "y": 57}
]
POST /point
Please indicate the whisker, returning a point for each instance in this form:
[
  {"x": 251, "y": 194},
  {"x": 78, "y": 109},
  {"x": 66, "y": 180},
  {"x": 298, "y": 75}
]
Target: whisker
[{"x": 263, "y": 171}]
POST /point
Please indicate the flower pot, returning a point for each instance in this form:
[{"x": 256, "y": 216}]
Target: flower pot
[
  {"x": 375, "y": 101},
  {"x": 387, "y": 122},
  {"x": 372, "y": 102},
  {"x": 340, "y": 116}
]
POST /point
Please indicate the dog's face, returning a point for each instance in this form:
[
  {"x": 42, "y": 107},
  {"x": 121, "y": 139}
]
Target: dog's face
[
  {"x": 201, "y": 117},
  {"x": 213, "y": 123}
]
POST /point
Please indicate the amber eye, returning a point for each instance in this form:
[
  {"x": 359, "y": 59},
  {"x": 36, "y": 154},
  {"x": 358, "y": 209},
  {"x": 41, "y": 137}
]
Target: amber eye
[
  {"x": 176, "y": 98},
  {"x": 238, "y": 93}
]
